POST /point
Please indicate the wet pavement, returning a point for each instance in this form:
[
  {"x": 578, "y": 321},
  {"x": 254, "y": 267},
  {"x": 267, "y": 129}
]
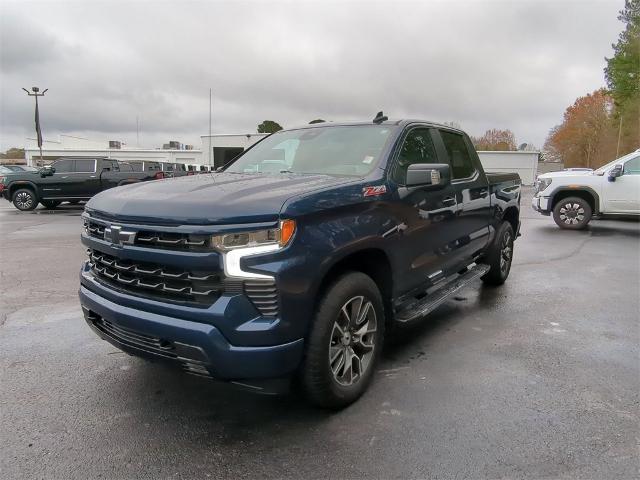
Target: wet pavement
[{"x": 539, "y": 378}]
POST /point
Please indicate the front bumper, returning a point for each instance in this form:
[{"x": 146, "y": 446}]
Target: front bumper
[
  {"x": 199, "y": 348},
  {"x": 540, "y": 204}
]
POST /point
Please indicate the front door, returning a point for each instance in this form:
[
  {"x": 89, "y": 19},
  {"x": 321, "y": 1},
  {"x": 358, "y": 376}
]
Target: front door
[
  {"x": 426, "y": 216},
  {"x": 623, "y": 195},
  {"x": 59, "y": 184}
]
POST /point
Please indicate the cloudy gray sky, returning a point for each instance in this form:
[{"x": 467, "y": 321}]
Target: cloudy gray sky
[{"x": 505, "y": 64}]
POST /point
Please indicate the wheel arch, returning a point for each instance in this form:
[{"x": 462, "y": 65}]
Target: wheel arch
[
  {"x": 373, "y": 262},
  {"x": 14, "y": 186},
  {"x": 512, "y": 215},
  {"x": 586, "y": 193}
]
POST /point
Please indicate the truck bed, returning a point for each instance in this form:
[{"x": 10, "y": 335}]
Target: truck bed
[{"x": 503, "y": 178}]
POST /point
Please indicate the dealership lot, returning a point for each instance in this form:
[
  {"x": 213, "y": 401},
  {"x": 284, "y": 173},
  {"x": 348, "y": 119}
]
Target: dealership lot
[{"x": 538, "y": 378}]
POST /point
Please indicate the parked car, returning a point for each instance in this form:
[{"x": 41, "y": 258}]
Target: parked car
[
  {"x": 16, "y": 168},
  {"x": 256, "y": 277},
  {"x": 172, "y": 170},
  {"x": 574, "y": 197},
  {"x": 146, "y": 166},
  {"x": 67, "y": 179}
]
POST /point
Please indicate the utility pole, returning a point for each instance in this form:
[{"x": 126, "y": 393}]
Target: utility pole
[
  {"x": 210, "y": 109},
  {"x": 36, "y": 93}
]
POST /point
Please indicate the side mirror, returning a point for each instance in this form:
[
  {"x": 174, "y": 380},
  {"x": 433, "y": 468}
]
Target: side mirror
[
  {"x": 615, "y": 172},
  {"x": 428, "y": 174},
  {"x": 47, "y": 171}
]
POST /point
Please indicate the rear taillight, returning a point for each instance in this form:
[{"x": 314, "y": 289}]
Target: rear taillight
[{"x": 159, "y": 175}]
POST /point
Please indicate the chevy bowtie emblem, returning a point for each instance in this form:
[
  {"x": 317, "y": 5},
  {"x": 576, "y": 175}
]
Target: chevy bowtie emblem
[{"x": 117, "y": 236}]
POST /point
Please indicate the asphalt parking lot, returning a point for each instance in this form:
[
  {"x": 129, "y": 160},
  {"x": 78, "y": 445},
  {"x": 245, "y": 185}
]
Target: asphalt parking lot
[{"x": 537, "y": 379}]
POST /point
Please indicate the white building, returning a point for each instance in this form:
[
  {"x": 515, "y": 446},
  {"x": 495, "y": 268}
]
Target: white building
[
  {"x": 524, "y": 163},
  {"x": 218, "y": 149}
]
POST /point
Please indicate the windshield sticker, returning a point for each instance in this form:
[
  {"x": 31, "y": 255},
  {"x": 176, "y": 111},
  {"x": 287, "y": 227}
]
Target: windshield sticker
[{"x": 368, "y": 159}]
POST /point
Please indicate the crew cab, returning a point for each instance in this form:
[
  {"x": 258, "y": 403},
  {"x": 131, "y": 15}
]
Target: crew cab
[
  {"x": 575, "y": 196},
  {"x": 68, "y": 180},
  {"x": 253, "y": 275}
]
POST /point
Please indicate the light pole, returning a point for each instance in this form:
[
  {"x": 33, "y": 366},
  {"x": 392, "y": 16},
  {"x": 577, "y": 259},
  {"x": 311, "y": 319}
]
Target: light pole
[{"x": 36, "y": 93}]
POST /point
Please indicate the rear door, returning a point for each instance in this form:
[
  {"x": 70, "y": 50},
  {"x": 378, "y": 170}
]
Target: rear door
[
  {"x": 426, "y": 215},
  {"x": 473, "y": 204},
  {"x": 87, "y": 180}
]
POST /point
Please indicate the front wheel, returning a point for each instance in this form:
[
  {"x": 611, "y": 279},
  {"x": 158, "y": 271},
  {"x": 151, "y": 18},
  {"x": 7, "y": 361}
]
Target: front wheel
[
  {"x": 25, "y": 199},
  {"x": 500, "y": 256},
  {"x": 572, "y": 213},
  {"x": 345, "y": 342}
]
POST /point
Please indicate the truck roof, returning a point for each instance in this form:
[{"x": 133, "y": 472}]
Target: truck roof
[{"x": 394, "y": 122}]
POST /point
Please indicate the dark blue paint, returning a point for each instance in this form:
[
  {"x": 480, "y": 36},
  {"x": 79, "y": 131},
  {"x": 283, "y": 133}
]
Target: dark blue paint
[{"x": 419, "y": 230}]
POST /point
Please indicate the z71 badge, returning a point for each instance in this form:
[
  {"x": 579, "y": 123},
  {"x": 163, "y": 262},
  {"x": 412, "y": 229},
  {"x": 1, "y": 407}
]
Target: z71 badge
[{"x": 374, "y": 191}]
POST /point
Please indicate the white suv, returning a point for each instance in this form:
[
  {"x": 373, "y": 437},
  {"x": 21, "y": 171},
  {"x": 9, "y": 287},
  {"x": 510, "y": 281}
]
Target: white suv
[{"x": 575, "y": 196}]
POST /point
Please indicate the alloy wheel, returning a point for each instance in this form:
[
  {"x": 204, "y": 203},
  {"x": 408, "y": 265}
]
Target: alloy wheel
[
  {"x": 352, "y": 341},
  {"x": 24, "y": 200},
  {"x": 506, "y": 252},
  {"x": 571, "y": 213}
]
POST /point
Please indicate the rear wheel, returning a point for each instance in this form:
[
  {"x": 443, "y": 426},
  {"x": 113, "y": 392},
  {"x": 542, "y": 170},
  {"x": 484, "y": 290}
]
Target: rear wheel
[
  {"x": 25, "y": 199},
  {"x": 345, "y": 342},
  {"x": 500, "y": 256},
  {"x": 572, "y": 213},
  {"x": 50, "y": 204}
]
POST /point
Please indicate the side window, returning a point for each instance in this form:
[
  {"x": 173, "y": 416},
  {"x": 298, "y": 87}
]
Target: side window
[
  {"x": 632, "y": 167},
  {"x": 417, "y": 147},
  {"x": 85, "y": 166},
  {"x": 459, "y": 157},
  {"x": 136, "y": 166},
  {"x": 63, "y": 166}
]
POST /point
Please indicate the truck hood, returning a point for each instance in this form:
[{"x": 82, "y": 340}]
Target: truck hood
[
  {"x": 567, "y": 173},
  {"x": 218, "y": 198}
]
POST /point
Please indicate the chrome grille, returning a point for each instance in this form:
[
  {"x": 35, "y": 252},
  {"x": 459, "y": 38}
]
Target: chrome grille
[
  {"x": 157, "y": 239},
  {"x": 173, "y": 240},
  {"x": 149, "y": 280},
  {"x": 264, "y": 296},
  {"x": 95, "y": 229}
]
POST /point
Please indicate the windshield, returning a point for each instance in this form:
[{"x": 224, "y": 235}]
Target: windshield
[
  {"x": 339, "y": 150},
  {"x": 604, "y": 168}
]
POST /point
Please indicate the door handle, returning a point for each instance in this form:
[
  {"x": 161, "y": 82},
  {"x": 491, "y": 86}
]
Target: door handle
[
  {"x": 449, "y": 200},
  {"x": 483, "y": 192}
]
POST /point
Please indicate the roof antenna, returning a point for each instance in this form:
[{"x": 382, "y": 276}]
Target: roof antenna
[{"x": 380, "y": 117}]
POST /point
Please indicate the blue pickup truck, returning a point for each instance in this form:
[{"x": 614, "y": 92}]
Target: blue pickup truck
[{"x": 297, "y": 257}]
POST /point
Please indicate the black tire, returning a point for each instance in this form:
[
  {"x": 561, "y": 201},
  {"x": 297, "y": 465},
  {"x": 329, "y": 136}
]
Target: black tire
[
  {"x": 572, "y": 213},
  {"x": 24, "y": 199},
  {"x": 329, "y": 387},
  {"x": 50, "y": 204},
  {"x": 500, "y": 256}
]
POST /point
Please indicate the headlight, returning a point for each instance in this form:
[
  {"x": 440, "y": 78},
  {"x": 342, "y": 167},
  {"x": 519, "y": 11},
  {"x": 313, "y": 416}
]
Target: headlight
[
  {"x": 279, "y": 236},
  {"x": 542, "y": 184}
]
